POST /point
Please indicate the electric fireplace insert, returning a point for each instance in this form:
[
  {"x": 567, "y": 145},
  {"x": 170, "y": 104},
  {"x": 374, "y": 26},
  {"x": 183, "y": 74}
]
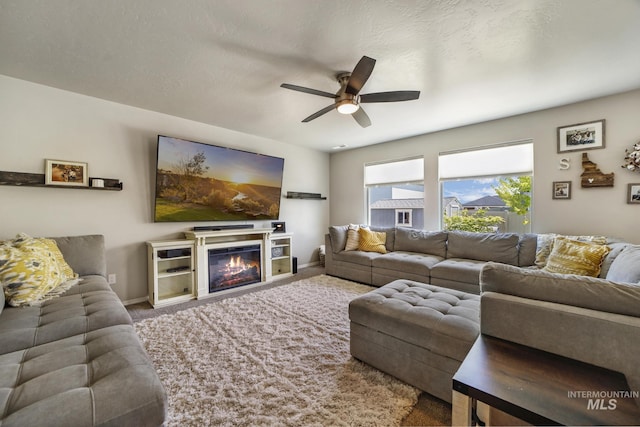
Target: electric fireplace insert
[{"x": 234, "y": 266}]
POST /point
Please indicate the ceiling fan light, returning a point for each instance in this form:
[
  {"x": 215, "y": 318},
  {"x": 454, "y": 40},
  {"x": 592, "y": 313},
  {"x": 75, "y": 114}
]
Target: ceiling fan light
[{"x": 347, "y": 106}]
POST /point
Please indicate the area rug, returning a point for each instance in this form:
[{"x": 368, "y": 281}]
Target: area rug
[{"x": 273, "y": 357}]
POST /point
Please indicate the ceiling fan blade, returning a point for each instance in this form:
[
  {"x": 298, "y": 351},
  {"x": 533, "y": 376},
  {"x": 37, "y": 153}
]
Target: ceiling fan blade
[
  {"x": 400, "y": 95},
  {"x": 308, "y": 90},
  {"x": 360, "y": 75},
  {"x": 362, "y": 118},
  {"x": 317, "y": 114}
]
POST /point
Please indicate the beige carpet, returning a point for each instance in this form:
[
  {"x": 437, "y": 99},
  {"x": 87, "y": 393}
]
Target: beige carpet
[{"x": 273, "y": 357}]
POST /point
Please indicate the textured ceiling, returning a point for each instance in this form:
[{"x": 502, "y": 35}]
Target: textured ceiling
[{"x": 222, "y": 62}]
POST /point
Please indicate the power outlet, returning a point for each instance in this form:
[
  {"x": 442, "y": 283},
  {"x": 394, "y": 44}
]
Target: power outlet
[{"x": 111, "y": 279}]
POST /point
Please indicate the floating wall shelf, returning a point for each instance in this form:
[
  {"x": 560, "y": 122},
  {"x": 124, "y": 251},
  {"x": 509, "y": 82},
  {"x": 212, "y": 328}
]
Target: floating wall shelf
[
  {"x": 309, "y": 196},
  {"x": 37, "y": 180}
]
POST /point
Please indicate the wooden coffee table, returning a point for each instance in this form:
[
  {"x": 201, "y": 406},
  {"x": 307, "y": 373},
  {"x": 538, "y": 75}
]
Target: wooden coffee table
[{"x": 539, "y": 387}]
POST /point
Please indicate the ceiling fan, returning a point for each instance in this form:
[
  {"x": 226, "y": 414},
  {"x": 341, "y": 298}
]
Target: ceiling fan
[{"x": 348, "y": 98}]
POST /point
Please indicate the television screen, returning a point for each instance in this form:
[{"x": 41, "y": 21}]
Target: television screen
[{"x": 202, "y": 182}]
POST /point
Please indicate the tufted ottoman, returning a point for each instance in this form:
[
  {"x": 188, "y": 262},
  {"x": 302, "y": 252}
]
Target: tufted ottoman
[{"x": 416, "y": 332}]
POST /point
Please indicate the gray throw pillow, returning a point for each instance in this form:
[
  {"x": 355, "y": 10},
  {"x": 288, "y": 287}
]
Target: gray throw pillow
[{"x": 626, "y": 266}]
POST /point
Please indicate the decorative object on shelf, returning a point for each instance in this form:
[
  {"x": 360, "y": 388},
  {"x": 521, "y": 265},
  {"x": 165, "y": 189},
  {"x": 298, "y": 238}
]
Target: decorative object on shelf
[
  {"x": 278, "y": 227},
  {"x": 632, "y": 158},
  {"x": 592, "y": 177},
  {"x": 38, "y": 180},
  {"x": 277, "y": 251},
  {"x": 564, "y": 164},
  {"x": 97, "y": 182},
  {"x": 562, "y": 190},
  {"x": 581, "y": 136},
  {"x": 62, "y": 172},
  {"x": 633, "y": 194},
  {"x": 301, "y": 195}
]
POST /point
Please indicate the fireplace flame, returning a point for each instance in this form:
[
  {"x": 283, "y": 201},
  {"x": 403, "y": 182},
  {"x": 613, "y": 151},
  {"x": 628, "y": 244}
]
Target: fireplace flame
[{"x": 236, "y": 264}]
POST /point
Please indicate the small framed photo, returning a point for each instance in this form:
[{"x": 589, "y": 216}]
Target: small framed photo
[
  {"x": 62, "y": 172},
  {"x": 633, "y": 194},
  {"x": 562, "y": 189},
  {"x": 581, "y": 136}
]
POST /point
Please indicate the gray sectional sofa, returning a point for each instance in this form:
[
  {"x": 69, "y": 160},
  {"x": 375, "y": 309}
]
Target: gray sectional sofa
[
  {"x": 424, "y": 317},
  {"x": 448, "y": 259},
  {"x": 76, "y": 359},
  {"x": 594, "y": 320}
]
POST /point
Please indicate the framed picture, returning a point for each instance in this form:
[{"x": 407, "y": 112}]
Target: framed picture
[
  {"x": 562, "y": 189},
  {"x": 633, "y": 194},
  {"x": 581, "y": 136},
  {"x": 62, "y": 172}
]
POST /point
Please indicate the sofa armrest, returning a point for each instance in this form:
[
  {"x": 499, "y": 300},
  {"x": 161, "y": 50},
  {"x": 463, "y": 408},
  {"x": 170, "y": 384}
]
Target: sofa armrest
[
  {"x": 582, "y": 318},
  {"x": 85, "y": 254}
]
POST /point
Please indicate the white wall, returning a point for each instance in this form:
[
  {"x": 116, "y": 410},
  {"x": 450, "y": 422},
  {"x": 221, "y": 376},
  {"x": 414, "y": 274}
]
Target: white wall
[
  {"x": 589, "y": 211},
  {"x": 118, "y": 141}
]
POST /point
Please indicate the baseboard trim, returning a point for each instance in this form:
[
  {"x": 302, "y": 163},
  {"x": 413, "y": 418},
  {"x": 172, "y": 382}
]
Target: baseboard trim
[{"x": 135, "y": 301}]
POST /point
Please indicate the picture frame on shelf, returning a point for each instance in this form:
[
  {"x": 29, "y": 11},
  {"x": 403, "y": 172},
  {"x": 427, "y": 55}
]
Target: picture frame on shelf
[
  {"x": 66, "y": 173},
  {"x": 581, "y": 136},
  {"x": 633, "y": 194},
  {"x": 562, "y": 190}
]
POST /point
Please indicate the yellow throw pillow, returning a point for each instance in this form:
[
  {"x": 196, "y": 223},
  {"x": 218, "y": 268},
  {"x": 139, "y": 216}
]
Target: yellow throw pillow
[
  {"x": 545, "y": 245},
  {"x": 30, "y": 270},
  {"x": 576, "y": 257},
  {"x": 24, "y": 241},
  {"x": 372, "y": 241}
]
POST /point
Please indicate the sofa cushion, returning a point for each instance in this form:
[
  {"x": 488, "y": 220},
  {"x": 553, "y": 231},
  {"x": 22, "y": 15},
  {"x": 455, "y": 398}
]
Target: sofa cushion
[
  {"x": 85, "y": 254},
  {"x": 88, "y": 306},
  {"x": 459, "y": 270},
  {"x": 575, "y": 257},
  {"x": 372, "y": 241},
  {"x": 580, "y": 291},
  {"x": 407, "y": 262},
  {"x": 626, "y": 266},
  {"x": 338, "y": 236},
  {"x": 102, "y": 377},
  {"x": 527, "y": 248},
  {"x": 426, "y": 242},
  {"x": 500, "y": 247},
  {"x": 356, "y": 257}
]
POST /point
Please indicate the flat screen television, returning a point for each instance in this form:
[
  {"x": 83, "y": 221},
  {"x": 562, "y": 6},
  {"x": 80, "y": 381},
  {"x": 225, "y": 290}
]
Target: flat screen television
[{"x": 202, "y": 182}]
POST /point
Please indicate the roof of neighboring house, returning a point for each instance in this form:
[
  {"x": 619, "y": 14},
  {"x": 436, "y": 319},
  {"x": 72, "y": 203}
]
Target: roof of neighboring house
[
  {"x": 398, "y": 204},
  {"x": 486, "y": 201},
  {"x": 449, "y": 200}
]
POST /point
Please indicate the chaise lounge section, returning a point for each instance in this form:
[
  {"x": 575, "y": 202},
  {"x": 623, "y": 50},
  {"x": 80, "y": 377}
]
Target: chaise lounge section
[{"x": 75, "y": 360}]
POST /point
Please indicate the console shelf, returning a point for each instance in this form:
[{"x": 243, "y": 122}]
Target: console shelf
[{"x": 37, "y": 180}]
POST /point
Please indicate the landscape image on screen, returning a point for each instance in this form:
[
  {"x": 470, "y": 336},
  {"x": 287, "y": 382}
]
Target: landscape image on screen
[{"x": 202, "y": 182}]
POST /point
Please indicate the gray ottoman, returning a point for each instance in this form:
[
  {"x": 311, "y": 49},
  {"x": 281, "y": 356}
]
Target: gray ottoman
[{"x": 416, "y": 332}]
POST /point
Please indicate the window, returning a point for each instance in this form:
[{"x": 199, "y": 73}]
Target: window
[
  {"x": 490, "y": 181},
  {"x": 395, "y": 193},
  {"x": 403, "y": 218}
]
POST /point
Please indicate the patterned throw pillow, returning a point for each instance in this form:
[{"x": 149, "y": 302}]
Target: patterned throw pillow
[
  {"x": 545, "y": 245},
  {"x": 576, "y": 257},
  {"x": 372, "y": 241},
  {"x": 32, "y": 270},
  {"x": 353, "y": 238}
]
